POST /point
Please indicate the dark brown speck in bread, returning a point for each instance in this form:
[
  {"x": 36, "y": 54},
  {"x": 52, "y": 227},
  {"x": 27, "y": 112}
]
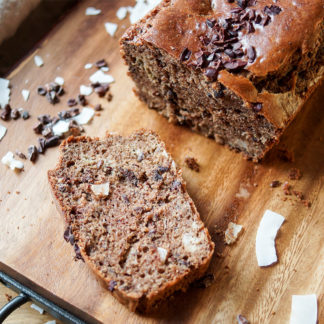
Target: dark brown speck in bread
[{"x": 129, "y": 216}]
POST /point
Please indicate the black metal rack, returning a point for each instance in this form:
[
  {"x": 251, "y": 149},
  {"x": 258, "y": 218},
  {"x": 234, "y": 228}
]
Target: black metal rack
[{"x": 27, "y": 294}]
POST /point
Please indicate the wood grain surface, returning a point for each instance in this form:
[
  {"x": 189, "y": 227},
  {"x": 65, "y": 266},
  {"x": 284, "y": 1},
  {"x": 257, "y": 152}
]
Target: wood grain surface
[{"x": 32, "y": 248}]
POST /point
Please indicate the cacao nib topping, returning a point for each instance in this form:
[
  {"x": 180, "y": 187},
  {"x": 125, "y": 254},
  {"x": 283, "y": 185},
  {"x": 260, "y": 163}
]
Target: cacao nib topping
[
  {"x": 112, "y": 284},
  {"x": 251, "y": 54},
  {"x": 5, "y": 115},
  {"x": 32, "y": 153},
  {"x": 41, "y": 145},
  {"x": 272, "y": 10},
  {"x": 78, "y": 255},
  {"x": 68, "y": 236},
  {"x": 256, "y": 106},
  {"x": 221, "y": 46},
  {"x": 52, "y": 141},
  {"x": 185, "y": 55},
  {"x": 41, "y": 91},
  {"x": 15, "y": 114},
  {"x": 71, "y": 102}
]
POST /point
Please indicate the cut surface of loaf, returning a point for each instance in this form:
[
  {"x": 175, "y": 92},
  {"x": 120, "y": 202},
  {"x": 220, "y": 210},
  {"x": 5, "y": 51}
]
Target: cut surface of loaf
[
  {"x": 128, "y": 213},
  {"x": 236, "y": 71}
]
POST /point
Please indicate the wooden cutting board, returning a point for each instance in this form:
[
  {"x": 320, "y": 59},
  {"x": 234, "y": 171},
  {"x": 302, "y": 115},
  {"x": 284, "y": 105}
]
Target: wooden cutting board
[{"x": 228, "y": 187}]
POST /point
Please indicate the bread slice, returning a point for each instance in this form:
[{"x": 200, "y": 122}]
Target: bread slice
[{"x": 129, "y": 216}]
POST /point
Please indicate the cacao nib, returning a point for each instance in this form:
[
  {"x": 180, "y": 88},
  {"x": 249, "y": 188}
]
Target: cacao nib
[
  {"x": 111, "y": 286},
  {"x": 185, "y": 55},
  {"x": 251, "y": 54},
  {"x": 32, "y": 153},
  {"x": 256, "y": 106}
]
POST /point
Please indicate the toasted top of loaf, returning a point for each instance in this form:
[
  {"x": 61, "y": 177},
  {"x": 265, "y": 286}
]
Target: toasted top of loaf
[
  {"x": 127, "y": 209},
  {"x": 266, "y": 52}
]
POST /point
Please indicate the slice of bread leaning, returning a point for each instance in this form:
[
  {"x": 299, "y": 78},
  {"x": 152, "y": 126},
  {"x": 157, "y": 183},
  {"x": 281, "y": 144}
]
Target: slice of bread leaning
[{"x": 129, "y": 216}]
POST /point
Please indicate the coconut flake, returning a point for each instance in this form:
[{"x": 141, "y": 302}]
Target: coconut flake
[
  {"x": 101, "y": 77},
  {"x": 12, "y": 163},
  {"x": 39, "y": 309},
  {"x": 232, "y": 232},
  {"x": 88, "y": 66},
  {"x": 163, "y": 253},
  {"x": 51, "y": 322},
  {"x": 25, "y": 93},
  {"x": 303, "y": 309},
  {"x": 141, "y": 8},
  {"x": 4, "y": 92},
  {"x": 85, "y": 116},
  {"x": 61, "y": 127},
  {"x": 101, "y": 189},
  {"x": 111, "y": 28},
  {"x": 265, "y": 238},
  {"x": 190, "y": 242},
  {"x": 59, "y": 80},
  {"x": 104, "y": 69},
  {"x": 86, "y": 91},
  {"x": 121, "y": 13},
  {"x": 38, "y": 60},
  {"x": 3, "y": 131},
  {"x": 91, "y": 11}
]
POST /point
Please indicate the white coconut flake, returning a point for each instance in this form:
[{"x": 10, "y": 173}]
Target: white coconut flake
[
  {"x": 122, "y": 13},
  {"x": 232, "y": 232},
  {"x": 85, "y": 90},
  {"x": 12, "y": 163},
  {"x": 39, "y": 309},
  {"x": 38, "y": 60},
  {"x": 265, "y": 238},
  {"x": 25, "y": 93},
  {"x": 88, "y": 66},
  {"x": 91, "y": 11},
  {"x": 4, "y": 92},
  {"x": 303, "y": 309},
  {"x": 141, "y": 8},
  {"x": 163, "y": 253},
  {"x": 3, "y": 131},
  {"x": 190, "y": 242},
  {"x": 101, "y": 189},
  {"x": 104, "y": 69},
  {"x": 85, "y": 116},
  {"x": 61, "y": 127},
  {"x": 51, "y": 322},
  {"x": 101, "y": 77},
  {"x": 59, "y": 80},
  {"x": 111, "y": 28}
]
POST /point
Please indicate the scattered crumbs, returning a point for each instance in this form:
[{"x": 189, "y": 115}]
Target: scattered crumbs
[
  {"x": 286, "y": 187},
  {"x": 39, "y": 309},
  {"x": 192, "y": 163},
  {"x": 232, "y": 233},
  {"x": 285, "y": 155},
  {"x": 275, "y": 184},
  {"x": 8, "y": 297},
  {"x": 88, "y": 66},
  {"x": 241, "y": 319},
  {"x": 91, "y": 11},
  {"x": 38, "y": 61},
  {"x": 25, "y": 93},
  {"x": 111, "y": 28},
  {"x": 17, "y": 192},
  {"x": 204, "y": 282},
  {"x": 255, "y": 184},
  {"x": 298, "y": 194},
  {"x": 294, "y": 174}
]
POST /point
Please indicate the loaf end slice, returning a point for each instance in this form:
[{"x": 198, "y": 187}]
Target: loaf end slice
[{"x": 128, "y": 214}]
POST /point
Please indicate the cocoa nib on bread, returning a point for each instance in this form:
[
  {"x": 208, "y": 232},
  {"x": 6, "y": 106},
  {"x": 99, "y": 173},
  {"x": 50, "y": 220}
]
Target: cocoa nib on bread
[
  {"x": 237, "y": 71},
  {"x": 129, "y": 216}
]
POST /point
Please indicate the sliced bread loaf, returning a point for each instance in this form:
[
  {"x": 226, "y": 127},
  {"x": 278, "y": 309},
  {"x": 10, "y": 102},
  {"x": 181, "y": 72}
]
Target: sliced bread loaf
[{"x": 129, "y": 216}]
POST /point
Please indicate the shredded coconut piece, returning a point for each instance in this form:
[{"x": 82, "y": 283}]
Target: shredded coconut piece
[
  {"x": 59, "y": 80},
  {"x": 303, "y": 309},
  {"x": 84, "y": 90},
  {"x": 101, "y": 189},
  {"x": 141, "y": 8},
  {"x": 104, "y": 69},
  {"x": 25, "y": 93},
  {"x": 265, "y": 238},
  {"x": 121, "y": 13},
  {"x": 232, "y": 232},
  {"x": 111, "y": 28},
  {"x": 12, "y": 163},
  {"x": 162, "y": 254},
  {"x": 4, "y": 92},
  {"x": 88, "y": 66},
  {"x": 85, "y": 116},
  {"x": 61, "y": 127},
  {"x": 3, "y": 131},
  {"x": 51, "y": 322},
  {"x": 91, "y": 11},
  {"x": 39, "y": 309},
  {"x": 38, "y": 60},
  {"x": 101, "y": 77}
]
